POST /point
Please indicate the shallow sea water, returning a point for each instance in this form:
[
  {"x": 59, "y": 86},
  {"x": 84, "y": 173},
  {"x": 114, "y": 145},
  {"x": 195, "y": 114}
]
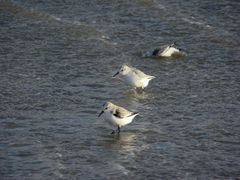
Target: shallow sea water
[{"x": 56, "y": 63}]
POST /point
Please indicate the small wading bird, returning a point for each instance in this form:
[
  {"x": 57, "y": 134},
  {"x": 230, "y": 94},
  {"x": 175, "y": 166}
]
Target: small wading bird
[
  {"x": 117, "y": 115},
  {"x": 134, "y": 77},
  {"x": 169, "y": 51}
]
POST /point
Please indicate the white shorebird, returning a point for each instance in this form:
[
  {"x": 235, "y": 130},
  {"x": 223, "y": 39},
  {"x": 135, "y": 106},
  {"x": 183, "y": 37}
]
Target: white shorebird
[
  {"x": 134, "y": 77},
  {"x": 117, "y": 115},
  {"x": 168, "y": 51}
]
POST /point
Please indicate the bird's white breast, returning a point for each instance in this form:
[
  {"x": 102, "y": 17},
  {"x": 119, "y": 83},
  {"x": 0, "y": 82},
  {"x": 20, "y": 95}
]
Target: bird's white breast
[{"x": 132, "y": 79}]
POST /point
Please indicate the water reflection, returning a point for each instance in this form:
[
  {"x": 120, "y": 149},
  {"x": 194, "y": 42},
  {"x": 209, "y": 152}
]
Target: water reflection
[
  {"x": 124, "y": 143},
  {"x": 125, "y": 138},
  {"x": 142, "y": 96},
  {"x": 138, "y": 94}
]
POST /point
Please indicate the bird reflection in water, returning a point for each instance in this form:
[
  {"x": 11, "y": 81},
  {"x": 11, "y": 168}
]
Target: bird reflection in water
[
  {"x": 125, "y": 142},
  {"x": 136, "y": 94}
]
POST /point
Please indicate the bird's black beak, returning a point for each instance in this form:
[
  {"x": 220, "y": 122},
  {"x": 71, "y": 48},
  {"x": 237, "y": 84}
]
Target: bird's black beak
[
  {"x": 115, "y": 74},
  {"x": 100, "y": 113}
]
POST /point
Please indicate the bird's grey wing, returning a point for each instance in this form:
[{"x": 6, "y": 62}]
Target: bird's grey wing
[
  {"x": 139, "y": 73},
  {"x": 122, "y": 113},
  {"x": 142, "y": 75}
]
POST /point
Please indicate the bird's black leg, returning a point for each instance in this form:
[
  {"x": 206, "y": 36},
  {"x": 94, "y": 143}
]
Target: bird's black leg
[
  {"x": 113, "y": 132},
  {"x": 119, "y": 129}
]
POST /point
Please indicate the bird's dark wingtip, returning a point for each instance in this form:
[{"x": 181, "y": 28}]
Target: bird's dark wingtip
[
  {"x": 135, "y": 113},
  {"x": 155, "y": 52}
]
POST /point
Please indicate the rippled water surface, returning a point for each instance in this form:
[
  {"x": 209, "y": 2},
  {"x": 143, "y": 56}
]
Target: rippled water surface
[{"x": 56, "y": 63}]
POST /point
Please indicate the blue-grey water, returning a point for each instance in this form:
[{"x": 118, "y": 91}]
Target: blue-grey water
[{"x": 56, "y": 62}]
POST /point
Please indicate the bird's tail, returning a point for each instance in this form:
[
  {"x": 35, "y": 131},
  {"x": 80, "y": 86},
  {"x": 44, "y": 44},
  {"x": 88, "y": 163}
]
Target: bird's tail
[
  {"x": 151, "y": 77},
  {"x": 173, "y": 44},
  {"x": 134, "y": 113}
]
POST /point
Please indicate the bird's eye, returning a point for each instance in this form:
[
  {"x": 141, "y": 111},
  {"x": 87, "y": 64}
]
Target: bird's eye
[
  {"x": 106, "y": 108},
  {"x": 121, "y": 70}
]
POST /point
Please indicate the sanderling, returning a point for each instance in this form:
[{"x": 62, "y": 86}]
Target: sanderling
[
  {"x": 168, "y": 51},
  {"x": 134, "y": 77},
  {"x": 117, "y": 115}
]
